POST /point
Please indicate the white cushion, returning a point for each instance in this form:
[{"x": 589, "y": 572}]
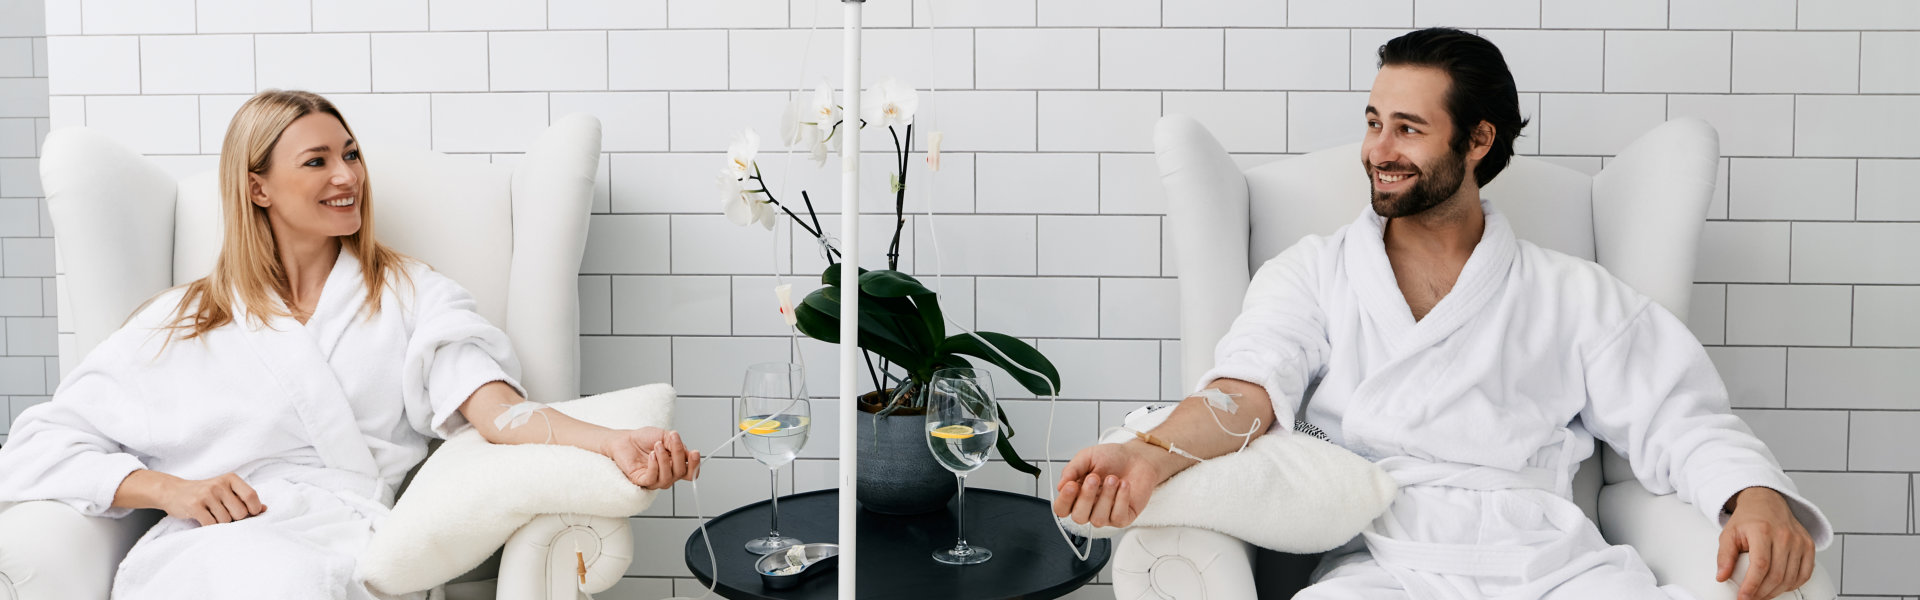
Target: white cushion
[
  {"x": 1287, "y": 492},
  {"x": 471, "y": 495}
]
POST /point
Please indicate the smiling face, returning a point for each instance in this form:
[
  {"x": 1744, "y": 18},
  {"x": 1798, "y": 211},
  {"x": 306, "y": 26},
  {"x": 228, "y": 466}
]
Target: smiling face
[
  {"x": 311, "y": 187},
  {"x": 1411, "y": 162}
]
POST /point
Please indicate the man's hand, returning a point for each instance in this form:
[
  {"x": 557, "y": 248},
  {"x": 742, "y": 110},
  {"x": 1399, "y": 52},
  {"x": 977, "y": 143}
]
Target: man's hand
[
  {"x": 651, "y": 457},
  {"x": 1780, "y": 550},
  {"x": 1108, "y": 484}
]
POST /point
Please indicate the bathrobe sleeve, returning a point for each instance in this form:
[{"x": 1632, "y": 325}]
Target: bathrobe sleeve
[
  {"x": 1653, "y": 394},
  {"x": 451, "y": 352},
  {"x": 74, "y": 448},
  {"x": 1279, "y": 341}
]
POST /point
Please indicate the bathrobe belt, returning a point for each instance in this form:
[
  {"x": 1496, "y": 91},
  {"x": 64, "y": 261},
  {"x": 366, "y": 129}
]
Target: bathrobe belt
[
  {"x": 370, "y": 496},
  {"x": 1511, "y": 561}
]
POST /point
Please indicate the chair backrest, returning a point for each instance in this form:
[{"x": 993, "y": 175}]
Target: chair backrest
[
  {"x": 513, "y": 236},
  {"x": 1640, "y": 218},
  {"x": 1317, "y": 193}
]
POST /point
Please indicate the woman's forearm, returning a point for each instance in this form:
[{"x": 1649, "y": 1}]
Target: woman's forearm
[
  {"x": 143, "y": 489},
  {"x": 493, "y": 399}
]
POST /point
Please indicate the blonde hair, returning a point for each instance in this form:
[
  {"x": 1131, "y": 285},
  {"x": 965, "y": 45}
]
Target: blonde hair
[{"x": 248, "y": 271}]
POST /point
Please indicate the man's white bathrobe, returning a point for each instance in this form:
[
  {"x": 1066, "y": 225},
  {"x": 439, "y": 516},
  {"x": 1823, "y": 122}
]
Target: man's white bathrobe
[
  {"x": 1484, "y": 408},
  {"x": 324, "y": 420}
]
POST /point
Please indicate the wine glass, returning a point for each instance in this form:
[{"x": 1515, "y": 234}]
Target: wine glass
[
  {"x": 775, "y": 417},
  {"x": 961, "y": 430}
]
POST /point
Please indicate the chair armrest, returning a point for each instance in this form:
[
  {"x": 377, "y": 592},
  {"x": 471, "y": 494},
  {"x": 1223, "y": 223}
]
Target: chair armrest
[
  {"x": 1182, "y": 562},
  {"x": 1679, "y": 546},
  {"x": 49, "y": 551},
  {"x": 472, "y": 496},
  {"x": 1208, "y": 229},
  {"x": 542, "y": 560}
]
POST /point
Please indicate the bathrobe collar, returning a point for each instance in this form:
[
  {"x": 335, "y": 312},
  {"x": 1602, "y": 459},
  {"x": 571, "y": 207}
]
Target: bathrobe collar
[
  {"x": 342, "y": 302},
  {"x": 292, "y": 355},
  {"x": 1372, "y": 276}
]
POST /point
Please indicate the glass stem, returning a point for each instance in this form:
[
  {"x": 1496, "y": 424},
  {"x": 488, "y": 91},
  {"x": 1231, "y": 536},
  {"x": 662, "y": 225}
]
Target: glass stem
[
  {"x": 960, "y": 528},
  {"x": 774, "y": 474}
]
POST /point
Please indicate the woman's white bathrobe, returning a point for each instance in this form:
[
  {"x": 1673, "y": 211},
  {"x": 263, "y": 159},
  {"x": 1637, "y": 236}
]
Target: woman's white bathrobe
[
  {"x": 1484, "y": 408},
  {"x": 323, "y": 420}
]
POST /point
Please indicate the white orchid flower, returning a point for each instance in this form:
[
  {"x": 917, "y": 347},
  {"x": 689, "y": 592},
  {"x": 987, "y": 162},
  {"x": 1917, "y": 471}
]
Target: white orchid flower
[
  {"x": 794, "y": 131},
  {"x": 803, "y": 134},
  {"x": 809, "y": 122},
  {"x": 743, "y": 204},
  {"x": 740, "y": 154},
  {"x": 823, "y": 112},
  {"x": 889, "y": 103},
  {"x": 818, "y": 151}
]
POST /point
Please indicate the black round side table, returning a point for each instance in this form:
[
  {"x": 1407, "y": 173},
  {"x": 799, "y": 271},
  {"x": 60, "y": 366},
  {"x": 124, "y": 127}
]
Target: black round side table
[{"x": 1030, "y": 560}]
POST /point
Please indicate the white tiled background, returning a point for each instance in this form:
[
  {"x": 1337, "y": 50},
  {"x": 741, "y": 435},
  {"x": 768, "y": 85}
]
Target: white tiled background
[
  {"x": 1809, "y": 278},
  {"x": 29, "y": 348}
]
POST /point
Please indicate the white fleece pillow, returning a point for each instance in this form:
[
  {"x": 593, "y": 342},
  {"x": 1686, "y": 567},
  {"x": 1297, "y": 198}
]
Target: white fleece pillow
[
  {"x": 1286, "y": 492},
  {"x": 471, "y": 495}
]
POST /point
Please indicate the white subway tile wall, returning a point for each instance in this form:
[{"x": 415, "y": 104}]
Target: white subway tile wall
[
  {"x": 1807, "y": 270},
  {"x": 29, "y": 338}
]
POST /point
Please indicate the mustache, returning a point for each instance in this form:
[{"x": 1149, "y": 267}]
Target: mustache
[{"x": 1395, "y": 167}]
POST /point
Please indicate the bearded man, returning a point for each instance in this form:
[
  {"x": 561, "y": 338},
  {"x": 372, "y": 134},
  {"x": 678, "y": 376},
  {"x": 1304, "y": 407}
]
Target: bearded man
[{"x": 1476, "y": 369}]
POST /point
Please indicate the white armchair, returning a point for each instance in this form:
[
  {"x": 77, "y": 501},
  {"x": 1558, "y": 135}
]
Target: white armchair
[
  {"x": 1640, "y": 217},
  {"x": 512, "y": 236}
]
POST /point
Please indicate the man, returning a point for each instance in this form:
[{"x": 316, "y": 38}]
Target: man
[{"x": 1474, "y": 368}]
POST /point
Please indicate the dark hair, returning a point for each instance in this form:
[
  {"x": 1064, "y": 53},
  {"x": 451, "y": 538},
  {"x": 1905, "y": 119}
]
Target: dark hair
[{"x": 1482, "y": 88}]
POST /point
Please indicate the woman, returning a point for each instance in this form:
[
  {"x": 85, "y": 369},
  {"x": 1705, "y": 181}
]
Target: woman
[{"x": 273, "y": 407}]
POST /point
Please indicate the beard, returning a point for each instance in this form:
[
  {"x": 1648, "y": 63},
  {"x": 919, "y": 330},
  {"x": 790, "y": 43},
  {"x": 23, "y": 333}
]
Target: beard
[{"x": 1434, "y": 184}]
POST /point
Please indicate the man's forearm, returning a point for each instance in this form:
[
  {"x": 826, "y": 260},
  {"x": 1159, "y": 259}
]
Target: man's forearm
[
  {"x": 493, "y": 399},
  {"x": 1192, "y": 429}
]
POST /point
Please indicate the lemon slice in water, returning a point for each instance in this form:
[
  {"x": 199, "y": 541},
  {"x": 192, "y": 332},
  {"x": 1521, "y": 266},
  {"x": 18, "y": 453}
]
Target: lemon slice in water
[
  {"x": 953, "y": 432},
  {"x": 759, "y": 426}
]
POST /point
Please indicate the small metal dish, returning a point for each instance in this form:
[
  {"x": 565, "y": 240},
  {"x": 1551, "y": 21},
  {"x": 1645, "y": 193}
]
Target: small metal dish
[{"x": 814, "y": 558}]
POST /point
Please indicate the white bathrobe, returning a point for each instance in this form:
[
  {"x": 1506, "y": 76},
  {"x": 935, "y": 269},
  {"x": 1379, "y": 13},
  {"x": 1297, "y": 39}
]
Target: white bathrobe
[
  {"x": 1484, "y": 408},
  {"x": 324, "y": 420}
]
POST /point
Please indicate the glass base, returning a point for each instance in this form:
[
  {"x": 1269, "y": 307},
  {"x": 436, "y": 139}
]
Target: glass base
[
  {"x": 770, "y": 544},
  {"x": 963, "y": 555}
]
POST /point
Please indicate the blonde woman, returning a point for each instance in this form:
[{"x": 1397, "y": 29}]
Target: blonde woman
[{"x": 272, "y": 408}]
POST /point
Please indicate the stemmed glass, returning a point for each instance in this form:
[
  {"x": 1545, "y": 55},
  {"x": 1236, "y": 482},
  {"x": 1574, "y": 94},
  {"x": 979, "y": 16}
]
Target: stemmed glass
[
  {"x": 775, "y": 416},
  {"x": 961, "y": 430}
]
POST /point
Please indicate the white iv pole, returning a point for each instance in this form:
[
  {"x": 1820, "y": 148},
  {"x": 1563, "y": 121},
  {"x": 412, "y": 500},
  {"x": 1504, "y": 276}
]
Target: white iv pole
[{"x": 850, "y": 293}]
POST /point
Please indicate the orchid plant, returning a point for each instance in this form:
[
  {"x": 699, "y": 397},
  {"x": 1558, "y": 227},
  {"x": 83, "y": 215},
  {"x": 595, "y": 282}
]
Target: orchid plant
[{"x": 901, "y": 324}]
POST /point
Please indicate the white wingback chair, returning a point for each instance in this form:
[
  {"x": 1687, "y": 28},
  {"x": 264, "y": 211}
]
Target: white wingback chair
[
  {"x": 512, "y": 236},
  {"x": 1640, "y": 217}
]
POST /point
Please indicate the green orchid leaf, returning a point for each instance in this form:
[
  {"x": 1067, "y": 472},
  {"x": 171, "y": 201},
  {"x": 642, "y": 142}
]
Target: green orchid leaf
[
  {"x": 1019, "y": 351},
  {"x": 816, "y": 324},
  {"x": 819, "y": 319},
  {"x": 831, "y": 276},
  {"x": 1013, "y": 457},
  {"x": 897, "y": 285},
  {"x": 891, "y": 284},
  {"x": 898, "y": 319},
  {"x": 873, "y": 323},
  {"x": 1005, "y": 423},
  {"x": 931, "y": 317}
]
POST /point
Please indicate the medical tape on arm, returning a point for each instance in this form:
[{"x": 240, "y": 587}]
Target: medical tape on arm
[{"x": 518, "y": 414}]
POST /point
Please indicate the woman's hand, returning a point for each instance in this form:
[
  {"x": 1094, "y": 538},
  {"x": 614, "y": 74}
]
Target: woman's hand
[
  {"x": 222, "y": 499},
  {"x": 651, "y": 457}
]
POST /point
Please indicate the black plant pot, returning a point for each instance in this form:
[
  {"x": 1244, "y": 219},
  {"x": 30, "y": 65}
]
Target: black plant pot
[{"x": 898, "y": 475}]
